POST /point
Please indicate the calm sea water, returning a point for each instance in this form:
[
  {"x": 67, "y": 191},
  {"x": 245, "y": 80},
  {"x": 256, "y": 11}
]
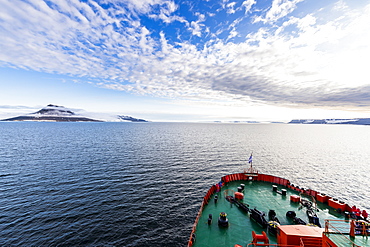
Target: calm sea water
[{"x": 128, "y": 184}]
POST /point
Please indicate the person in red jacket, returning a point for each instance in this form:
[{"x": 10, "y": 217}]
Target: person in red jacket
[{"x": 364, "y": 214}]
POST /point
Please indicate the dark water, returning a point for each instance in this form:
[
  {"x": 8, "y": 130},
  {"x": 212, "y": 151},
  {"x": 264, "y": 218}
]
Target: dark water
[{"x": 126, "y": 184}]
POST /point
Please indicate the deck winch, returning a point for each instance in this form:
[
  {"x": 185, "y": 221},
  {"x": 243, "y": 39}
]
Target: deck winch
[
  {"x": 272, "y": 216},
  {"x": 243, "y": 206},
  {"x": 258, "y": 217},
  {"x": 292, "y": 215},
  {"x": 272, "y": 227}
]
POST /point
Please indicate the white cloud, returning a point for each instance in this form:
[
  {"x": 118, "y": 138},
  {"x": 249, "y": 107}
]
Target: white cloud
[
  {"x": 314, "y": 64},
  {"x": 145, "y": 40},
  {"x": 233, "y": 33},
  {"x": 139, "y": 6},
  {"x": 341, "y": 5},
  {"x": 230, "y": 8},
  {"x": 196, "y": 26},
  {"x": 279, "y": 9},
  {"x": 248, "y": 4},
  {"x": 166, "y": 13}
]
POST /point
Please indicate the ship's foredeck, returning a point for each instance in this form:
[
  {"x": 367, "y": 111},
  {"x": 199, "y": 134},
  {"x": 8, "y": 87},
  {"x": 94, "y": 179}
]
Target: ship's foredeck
[{"x": 259, "y": 195}]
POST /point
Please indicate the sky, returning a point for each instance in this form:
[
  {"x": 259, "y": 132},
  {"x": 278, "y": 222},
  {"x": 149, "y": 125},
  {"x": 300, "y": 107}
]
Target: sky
[{"x": 193, "y": 60}]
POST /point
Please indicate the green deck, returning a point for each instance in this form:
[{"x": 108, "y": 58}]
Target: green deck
[
  {"x": 346, "y": 240},
  {"x": 256, "y": 194}
]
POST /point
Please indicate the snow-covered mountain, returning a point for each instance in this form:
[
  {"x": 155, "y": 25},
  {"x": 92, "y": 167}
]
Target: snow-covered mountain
[
  {"x": 54, "y": 110},
  {"x": 53, "y": 113},
  {"x": 57, "y": 113},
  {"x": 130, "y": 119}
]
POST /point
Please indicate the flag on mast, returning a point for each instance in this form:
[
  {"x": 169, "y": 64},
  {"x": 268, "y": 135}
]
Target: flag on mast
[{"x": 250, "y": 159}]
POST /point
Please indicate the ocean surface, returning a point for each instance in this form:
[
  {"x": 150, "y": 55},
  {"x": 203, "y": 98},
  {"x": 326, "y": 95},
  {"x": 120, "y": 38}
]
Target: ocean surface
[{"x": 141, "y": 184}]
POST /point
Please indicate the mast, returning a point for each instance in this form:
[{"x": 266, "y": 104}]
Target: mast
[{"x": 250, "y": 161}]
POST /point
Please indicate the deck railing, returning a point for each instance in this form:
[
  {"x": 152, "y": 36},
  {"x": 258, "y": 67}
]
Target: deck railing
[
  {"x": 343, "y": 230},
  {"x": 273, "y": 245}
]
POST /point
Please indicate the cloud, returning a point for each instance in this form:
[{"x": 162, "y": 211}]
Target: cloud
[
  {"x": 7, "y": 111},
  {"x": 138, "y": 6},
  {"x": 230, "y": 8},
  {"x": 233, "y": 7},
  {"x": 166, "y": 13},
  {"x": 301, "y": 61},
  {"x": 196, "y": 26},
  {"x": 233, "y": 33},
  {"x": 278, "y": 10},
  {"x": 248, "y": 5},
  {"x": 6, "y": 107}
]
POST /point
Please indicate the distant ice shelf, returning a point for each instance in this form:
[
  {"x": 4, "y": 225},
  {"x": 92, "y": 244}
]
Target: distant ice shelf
[{"x": 357, "y": 121}]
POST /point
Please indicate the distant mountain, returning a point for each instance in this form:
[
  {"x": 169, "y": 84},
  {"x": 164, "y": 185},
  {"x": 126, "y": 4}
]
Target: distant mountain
[
  {"x": 358, "y": 121},
  {"x": 131, "y": 119},
  {"x": 53, "y": 113}
]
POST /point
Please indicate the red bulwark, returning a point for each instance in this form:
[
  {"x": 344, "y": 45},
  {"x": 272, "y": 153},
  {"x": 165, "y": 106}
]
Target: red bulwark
[
  {"x": 322, "y": 198},
  {"x": 294, "y": 234},
  {"x": 336, "y": 204}
]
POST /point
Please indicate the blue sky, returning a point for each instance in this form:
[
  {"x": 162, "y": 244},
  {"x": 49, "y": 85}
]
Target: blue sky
[{"x": 167, "y": 60}]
